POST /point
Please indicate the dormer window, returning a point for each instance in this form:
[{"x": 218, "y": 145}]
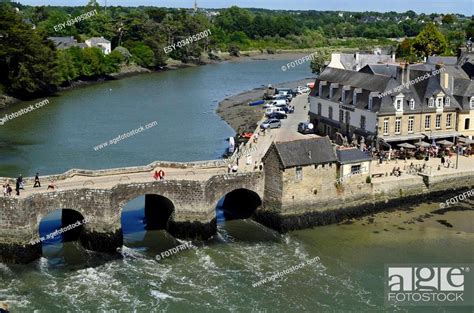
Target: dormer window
[
  {"x": 431, "y": 102},
  {"x": 412, "y": 104},
  {"x": 447, "y": 101},
  {"x": 399, "y": 104},
  {"x": 471, "y": 102},
  {"x": 439, "y": 102}
]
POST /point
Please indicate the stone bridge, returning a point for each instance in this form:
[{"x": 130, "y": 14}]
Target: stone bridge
[{"x": 190, "y": 193}]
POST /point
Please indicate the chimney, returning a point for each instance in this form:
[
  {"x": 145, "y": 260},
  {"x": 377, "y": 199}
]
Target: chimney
[{"x": 408, "y": 72}]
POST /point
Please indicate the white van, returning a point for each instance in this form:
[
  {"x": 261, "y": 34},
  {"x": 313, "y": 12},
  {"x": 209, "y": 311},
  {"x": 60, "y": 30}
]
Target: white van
[
  {"x": 278, "y": 103},
  {"x": 274, "y": 109}
]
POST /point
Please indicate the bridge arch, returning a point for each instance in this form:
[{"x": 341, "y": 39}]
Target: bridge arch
[
  {"x": 61, "y": 225},
  {"x": 240, "y": 203},
  {"x": 146, "y": 212}
]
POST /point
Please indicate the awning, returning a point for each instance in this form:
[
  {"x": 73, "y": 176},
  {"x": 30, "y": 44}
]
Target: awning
[
  {"x": 402, "y": 138},
  {"x": 466, "y": 140},
  {"x": 440, "y": 134},
  {"x": 406, "y": 145},
  {"x": 445, "y": 143},
  {"x": 422, "y": 144},
  {"x": 330, "y": 122}
]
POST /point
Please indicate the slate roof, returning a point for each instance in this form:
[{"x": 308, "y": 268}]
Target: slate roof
[
  {"x": 390, "y": 70},
  {"x": 305, "y": 152},
  {"x": 442, "y": 60},
  {"x": 355, "y": 79},
  {"x": 347, "y": 156},
  {"x": 63, "y": 42},
  {"x": 97, "y": 40},
  {"x": 350, "y": 63}
]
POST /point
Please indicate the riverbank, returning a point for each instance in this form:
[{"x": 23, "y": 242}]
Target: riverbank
[
  {"x": 242, "y": 117},
  {"x": 133, "y": 70}
]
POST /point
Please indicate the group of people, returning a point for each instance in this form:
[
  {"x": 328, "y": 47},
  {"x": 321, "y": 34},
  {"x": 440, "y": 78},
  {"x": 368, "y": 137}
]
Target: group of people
[{"x": 20, "y": 185}]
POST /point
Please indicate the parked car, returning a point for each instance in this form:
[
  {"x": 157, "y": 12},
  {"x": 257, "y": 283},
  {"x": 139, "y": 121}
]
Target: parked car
[
  {"x": 271, "y": 123},
  {"x": 273, "y": 110},
  {"x": 288, "y": 109},
  {"x": 306, "y": 128},
  {"x": 277, "y": 115},
  {"x": 300, "y": 90}
]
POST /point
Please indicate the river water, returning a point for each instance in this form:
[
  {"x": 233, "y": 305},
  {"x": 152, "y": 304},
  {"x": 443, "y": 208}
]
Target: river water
[{"x": 218, "y": 275}]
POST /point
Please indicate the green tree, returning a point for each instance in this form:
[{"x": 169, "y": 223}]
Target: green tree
[
  {"x": 318, "y": 62},
  {"x": 26, "y": 63},
  {"x": 448, "y": 19},
  {"x": 430, "y": 41},
  {"x": 65, "y": 67},
  {"x": 142, "y": 54}
]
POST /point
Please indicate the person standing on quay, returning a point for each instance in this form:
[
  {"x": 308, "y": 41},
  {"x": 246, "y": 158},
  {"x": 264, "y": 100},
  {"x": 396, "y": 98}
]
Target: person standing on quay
[
  {"x": 37, "y": 181},
  {"x": 17, "y": 187}
]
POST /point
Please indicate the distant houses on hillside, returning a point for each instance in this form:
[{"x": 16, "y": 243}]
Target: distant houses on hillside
[{"x": 68, "y": 42}]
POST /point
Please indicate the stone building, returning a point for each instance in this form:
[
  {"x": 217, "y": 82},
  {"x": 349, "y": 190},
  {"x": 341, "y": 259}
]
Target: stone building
[
  {"x": 396, "y": 103},
  {"x": 297, "y": 173},
  {"x": 352, "y": 164}
]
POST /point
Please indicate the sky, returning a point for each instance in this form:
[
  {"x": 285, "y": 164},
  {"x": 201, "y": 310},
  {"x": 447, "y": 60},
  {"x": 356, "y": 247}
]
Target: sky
[{"x": 420, "y": 6}]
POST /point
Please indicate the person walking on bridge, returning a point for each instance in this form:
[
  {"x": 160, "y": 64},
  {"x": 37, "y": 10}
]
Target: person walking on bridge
[
  {"x": 161, "y": 174},
  {"x": 37, "y": 181}
]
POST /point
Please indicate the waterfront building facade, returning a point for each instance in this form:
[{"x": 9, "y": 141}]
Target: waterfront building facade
[{"x": 395, "y": 103}]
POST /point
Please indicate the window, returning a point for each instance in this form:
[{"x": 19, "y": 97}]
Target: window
[
  {"x": 399, "y": 104},
  {"x": 343, "y": 97},
  {"x": 355, "y": 169},
  {"x": 348, "y": 118},
  {"x": 431, "y": 102},
  {"x": 411, "y": 122},
  {"x": 385, "y": 126},
  {"x": 320, "y": 88},
  {"x": 439, "y": 102},
  {"x": 298, "y": 173},
  {"x": 331, "y": 91},
  {"x": 472, "y": 102},
  {"x": 330, "y": 113},
  {"x": 398, "y": 125},
  {"x": 354, "y": 98},
  {"x": 370, "y": 103},
  {"x": 412, "y": 104},
  {"x": 438, "y": 121},
  {"x": 427, "y": 122},
  {"x": 319, "y": 109},
  {"x": 466, "y": 123},
  {"x": 448, "y": 120},
  {"x": 447, "y": 101},
  {"x": 341, "y": 116},
  {"x": 362, "y": 122}
]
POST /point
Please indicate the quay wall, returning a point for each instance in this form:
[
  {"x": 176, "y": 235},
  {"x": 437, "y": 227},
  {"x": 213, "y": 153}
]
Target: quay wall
[{"x": 355, "y": 197}]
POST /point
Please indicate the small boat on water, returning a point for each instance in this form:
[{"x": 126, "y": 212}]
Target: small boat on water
[{"x": 256, "y": 102}]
